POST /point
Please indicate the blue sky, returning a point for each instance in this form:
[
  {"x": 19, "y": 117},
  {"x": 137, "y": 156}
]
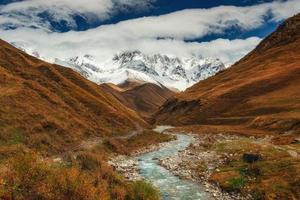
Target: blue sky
[
  {"x": 161, "y": 7},
  {"x": 226, "y": 29}
]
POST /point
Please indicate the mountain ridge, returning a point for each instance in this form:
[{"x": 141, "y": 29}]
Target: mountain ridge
[
  {"x": 163, "y": 70},
  {"x": 50, "y": 107},
  {"x": 145, "y": 98},
  {"x": 250, "y": 91}
]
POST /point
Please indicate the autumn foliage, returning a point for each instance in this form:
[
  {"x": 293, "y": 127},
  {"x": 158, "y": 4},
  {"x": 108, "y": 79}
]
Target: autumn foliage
[{"x": 28, "y": 177}]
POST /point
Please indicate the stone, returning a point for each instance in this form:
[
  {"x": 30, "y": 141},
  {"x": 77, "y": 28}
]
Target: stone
[{"x": 251, "y": 158}]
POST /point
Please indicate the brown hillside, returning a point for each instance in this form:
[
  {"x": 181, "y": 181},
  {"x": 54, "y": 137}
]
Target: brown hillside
[
  {"x": 49, "y": 107},
  {"x": 262, "y": 90},
  {"x": 144, "y": 98}
]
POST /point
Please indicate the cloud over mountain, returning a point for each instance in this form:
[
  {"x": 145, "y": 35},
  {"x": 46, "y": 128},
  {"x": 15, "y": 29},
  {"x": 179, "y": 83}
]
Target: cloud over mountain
[
  {"x": 47, "y": 14},
  {"x": 167, "y": 34}
]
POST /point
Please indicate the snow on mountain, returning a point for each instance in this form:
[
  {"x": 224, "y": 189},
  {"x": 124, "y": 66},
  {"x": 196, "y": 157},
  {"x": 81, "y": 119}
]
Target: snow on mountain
[
  {"x": 172, "y": 72},
  {"x": 169, "y": 71}
]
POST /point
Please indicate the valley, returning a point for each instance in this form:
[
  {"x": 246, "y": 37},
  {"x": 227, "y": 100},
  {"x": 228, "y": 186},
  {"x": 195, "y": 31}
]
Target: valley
[
  {"x": 142, "y": 97},
  {"x": 219, "y": 160}
]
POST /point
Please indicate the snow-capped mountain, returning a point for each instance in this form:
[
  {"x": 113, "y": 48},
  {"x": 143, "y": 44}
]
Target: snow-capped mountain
[
  {"x": 169, "y": 71},
  {"x": 172, "y": 72}
]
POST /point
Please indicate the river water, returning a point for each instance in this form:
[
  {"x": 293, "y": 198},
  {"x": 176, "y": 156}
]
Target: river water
[{"x": 171, "y": 187}]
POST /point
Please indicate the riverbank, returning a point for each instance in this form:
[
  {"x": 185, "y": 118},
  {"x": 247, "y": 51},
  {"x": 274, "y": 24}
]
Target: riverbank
[
  {"x": 128, "y": 165},
  {"x": 240, "y": 161},
  {"x": 146, "y": 141},
  {"x": 228, "y": 164},
  {"x": 197, "y": 163},
  {"x": 179, "y": 163}
]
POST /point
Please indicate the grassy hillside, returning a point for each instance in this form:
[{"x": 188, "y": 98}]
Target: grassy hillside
[
  {"x": 260, "y": 91},
  {"x": 52, "y": 124},
  {"x": 144, "y": 98},
  {"x": 49, "y": 108}
]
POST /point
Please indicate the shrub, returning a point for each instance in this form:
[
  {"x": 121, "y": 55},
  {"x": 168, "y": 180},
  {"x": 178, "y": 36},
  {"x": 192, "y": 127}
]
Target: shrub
[
  {"x": 237, "y": 183},
  {"x": 28, "y": 177},
  {"x": 90, "y": 161},
  {"x": 115, "y": 145},
  {"x": 119, "y": 193},
  {"x": 144, "y": 191},
  {"x": 251, "y": 158}
]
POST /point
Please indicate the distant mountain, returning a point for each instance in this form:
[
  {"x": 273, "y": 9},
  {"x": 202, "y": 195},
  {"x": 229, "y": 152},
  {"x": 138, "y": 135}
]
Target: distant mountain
[
  {"x": 145, "y": 98},
  {"x": 261, "y": 90},
  {"x": 50, "y": 107},
  {"x": 168, "y": 71}
]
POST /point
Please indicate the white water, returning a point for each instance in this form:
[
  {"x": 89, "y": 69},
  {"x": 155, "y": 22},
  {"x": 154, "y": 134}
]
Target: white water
[{"x": 171, "y": 187}]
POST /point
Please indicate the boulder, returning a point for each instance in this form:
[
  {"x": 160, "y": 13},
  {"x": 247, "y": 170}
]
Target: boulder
[{"x": 251, "y": 158}]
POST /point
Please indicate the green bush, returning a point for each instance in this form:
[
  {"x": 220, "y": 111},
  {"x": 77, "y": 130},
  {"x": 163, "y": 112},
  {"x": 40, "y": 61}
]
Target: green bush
[
  {"x": 144, "y": 191},
  {"x": 237, "y": 182}
]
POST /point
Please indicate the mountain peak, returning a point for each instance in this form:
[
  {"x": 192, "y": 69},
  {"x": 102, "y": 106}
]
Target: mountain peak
[
  {"x": 287, "y": 32},
  {"x": 170, "y": 71},
  {"x": 163, "y": 70},
  {"x": 261, "y": 90}
]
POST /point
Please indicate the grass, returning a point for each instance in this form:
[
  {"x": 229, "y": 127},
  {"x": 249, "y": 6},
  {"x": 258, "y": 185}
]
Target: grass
[
  {"x": 144, "y": 191},
  {"x": 28, "y": 177},
  {"x": 237, "y": 183},
  {"x": 45, "y": 110},
  {"x": 234, "y": 146},
  {"x": 50, "y": 108},
  {"x": 274, "y": 176},
  {"x": 135, "y": 143},
  {"x": 11, "y": 138}
]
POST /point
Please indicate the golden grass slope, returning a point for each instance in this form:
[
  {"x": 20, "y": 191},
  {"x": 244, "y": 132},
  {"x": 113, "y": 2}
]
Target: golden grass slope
[
  {"x": 261, "y": 90},
  {"x": 48, "y": 107},
  {"x": 144, "y": 98}
]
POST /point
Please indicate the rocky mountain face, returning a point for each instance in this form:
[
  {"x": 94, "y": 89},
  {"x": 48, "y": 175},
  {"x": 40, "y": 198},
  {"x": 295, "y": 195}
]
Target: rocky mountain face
[
  {"x": 172, "y": 72},
  {"x": 169, "y": 71},
  {"x": 260, "y": 91}
]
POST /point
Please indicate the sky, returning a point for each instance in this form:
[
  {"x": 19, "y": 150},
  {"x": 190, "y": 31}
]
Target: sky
[{"x": 224, "y": 29}]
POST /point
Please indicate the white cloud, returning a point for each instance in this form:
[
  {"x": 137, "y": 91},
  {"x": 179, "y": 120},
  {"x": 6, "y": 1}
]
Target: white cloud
[
  {"x": 195, "y": 23},
  {"x": 142, "y": 33},
  {"x": 31, "y": 11},
  {"x": 55, "y": 45}
]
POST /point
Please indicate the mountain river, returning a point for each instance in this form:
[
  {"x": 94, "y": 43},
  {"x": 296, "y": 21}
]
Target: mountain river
[{"x": 171, "y": 187}]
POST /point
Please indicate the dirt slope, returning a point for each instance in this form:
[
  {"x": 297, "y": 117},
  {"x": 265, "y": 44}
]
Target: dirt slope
[
  {"x": 262, "y": 90},
  {"x": 48, "y": 107},
  {"x": 144, "y": 98}
]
